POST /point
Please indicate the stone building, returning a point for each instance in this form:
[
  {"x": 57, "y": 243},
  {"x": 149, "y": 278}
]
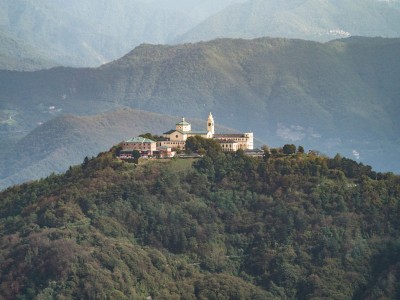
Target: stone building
[
  {"x": 228, "y": 145},
  {"x": 143, "y": 145},
  {"x": 176, "y": 138},
  {"x": 244, "y": 140}
]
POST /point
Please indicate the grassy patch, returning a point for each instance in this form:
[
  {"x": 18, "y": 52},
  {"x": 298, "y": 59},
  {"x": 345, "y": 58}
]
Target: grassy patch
[{"x": 7, "y": 117}]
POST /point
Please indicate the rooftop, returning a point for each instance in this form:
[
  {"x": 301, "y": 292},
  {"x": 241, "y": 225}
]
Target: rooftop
[
  {"x": 173, "y": 130},
  {"x": 183, "y": 122},
  {"x": 139, "y": 140},
  {"x": 229, "y": 135},
  {"x": 196, "y": 132},
  {"x": 186, "y": 132},
  {"x": 226, "y": 142}
]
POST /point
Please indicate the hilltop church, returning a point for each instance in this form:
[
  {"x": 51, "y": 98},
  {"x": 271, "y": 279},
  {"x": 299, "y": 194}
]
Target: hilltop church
[{"x": 176, "y": 138}]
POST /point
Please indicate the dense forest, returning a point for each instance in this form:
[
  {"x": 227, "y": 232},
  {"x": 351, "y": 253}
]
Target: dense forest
[{"x": 225, "y": 226}]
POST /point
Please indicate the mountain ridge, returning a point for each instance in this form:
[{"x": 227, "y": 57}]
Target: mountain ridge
[
  {"x": 322, "y": 95},
  {"x": 89, "y": 33},
  {"x": 311, "y": 20},
  {"x": 19, "y": 56}
]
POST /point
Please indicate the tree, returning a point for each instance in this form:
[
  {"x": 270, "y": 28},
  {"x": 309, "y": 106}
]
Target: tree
[
  {"x": 289, "y": 149},
  {"x": 300, "y": 149},
  {"x": 274, "y": 151},
  {"x": 265, "y": 148},
  {"x": 192, "y": 144},
  {"x": 85, "y": 162},
  {"x": 196, "y": 143},
  {"x": 267, "y": 152},
  {"x": 135, "y": 154},
  {"x": 150, "y": 136}
]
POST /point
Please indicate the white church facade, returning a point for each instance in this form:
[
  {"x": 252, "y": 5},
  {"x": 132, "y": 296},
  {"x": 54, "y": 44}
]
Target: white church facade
[{"x": 176, "y": 138}]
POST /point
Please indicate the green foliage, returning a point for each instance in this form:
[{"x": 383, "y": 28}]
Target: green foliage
[
  {"x": 135, "y": 154},
  {"x": 289, "y": 149},
  {"x": 294, "y": 227},
  {"x": 202, "y": 145},
  {"x": 150, "y": 136}
]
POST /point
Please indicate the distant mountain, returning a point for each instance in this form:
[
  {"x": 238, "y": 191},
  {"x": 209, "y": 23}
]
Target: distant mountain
[
  {"x": 92, "y": 32},
  {"x": 341, "y": 96},
  {"x": 197, "y": 10},
  {"x": 85, "y": 33},
  {"x": 66, "y": 140},
  {"x": 319, "y": 20},
  {"x": 16, "y": 55}
]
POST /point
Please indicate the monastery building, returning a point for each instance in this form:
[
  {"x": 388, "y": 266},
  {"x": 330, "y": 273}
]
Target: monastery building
[{"x": 176, "y": 139}]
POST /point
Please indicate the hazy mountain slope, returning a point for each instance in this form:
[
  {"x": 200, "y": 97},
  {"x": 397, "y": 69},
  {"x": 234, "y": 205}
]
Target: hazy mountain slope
[
  {"x": 225, "y": 226},
  {"x": 319, "y": 20},
  {"x": 66, "y": 140},
  {"x": 197, "y": 10},
  {"x": 341, "y": 96},
  {"x": 91, "y": 32},
  {"x": 87, "y": 32},
  {"x": 16, "y": 55}
]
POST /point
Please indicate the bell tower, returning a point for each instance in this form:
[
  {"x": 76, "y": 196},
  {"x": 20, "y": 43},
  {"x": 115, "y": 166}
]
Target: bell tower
[{"x": 210, "y": 124}]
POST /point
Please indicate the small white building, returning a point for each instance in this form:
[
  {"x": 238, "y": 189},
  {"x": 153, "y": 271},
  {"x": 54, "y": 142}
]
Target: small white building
[
  {"x": 244, "y": 140},
  {"x": 228, "y": 145}
]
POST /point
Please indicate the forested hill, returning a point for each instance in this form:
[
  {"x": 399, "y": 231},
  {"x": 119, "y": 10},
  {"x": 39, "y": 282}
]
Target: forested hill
[
  {"x": 226, "y": 226},
  {"x": 338, "y": 97}
]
